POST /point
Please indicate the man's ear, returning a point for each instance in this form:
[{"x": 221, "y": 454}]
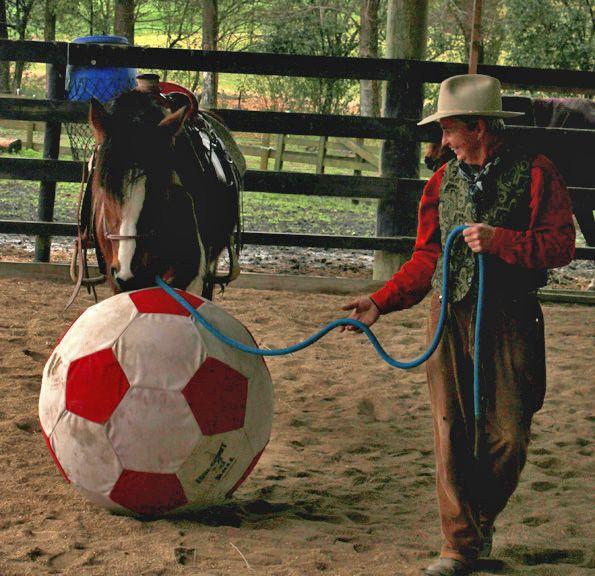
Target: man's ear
[
  {"x": 173, "y": 122},
  {"x": 481, "y": 127},
  {"x": 98, "y": 120}
]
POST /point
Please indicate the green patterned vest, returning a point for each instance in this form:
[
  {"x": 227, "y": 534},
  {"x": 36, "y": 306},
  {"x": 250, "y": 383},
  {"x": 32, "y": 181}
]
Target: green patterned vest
[{"x": 504, "y": 203}]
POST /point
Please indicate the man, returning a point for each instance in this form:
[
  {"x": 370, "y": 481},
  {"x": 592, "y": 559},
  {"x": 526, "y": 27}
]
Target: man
[{"x": 520, "y": 217}]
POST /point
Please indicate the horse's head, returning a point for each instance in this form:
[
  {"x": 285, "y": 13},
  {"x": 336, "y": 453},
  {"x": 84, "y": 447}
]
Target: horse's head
[{"x": 134, "y": 188}]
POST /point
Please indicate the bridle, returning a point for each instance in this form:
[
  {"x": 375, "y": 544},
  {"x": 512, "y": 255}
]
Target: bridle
[
  {"x": 111, "y": 235},
  {"x": 118, "y": 237}
]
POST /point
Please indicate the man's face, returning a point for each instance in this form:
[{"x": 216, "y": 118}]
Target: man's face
[{"x": 464, "y": 142}]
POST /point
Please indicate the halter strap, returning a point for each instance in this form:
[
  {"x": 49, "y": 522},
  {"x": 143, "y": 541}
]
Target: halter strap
[{"x": 79, "y": 265}]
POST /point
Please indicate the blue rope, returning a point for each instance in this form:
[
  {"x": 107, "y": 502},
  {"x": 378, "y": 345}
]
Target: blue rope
[{"x": 359, "y": 325}]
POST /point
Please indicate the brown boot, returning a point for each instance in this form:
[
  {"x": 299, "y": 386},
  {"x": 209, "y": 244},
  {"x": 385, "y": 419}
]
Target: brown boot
[{"x": 448, "y": 567}]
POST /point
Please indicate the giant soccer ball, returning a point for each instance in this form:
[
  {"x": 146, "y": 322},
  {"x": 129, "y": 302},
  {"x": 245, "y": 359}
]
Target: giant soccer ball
[{"x": 143, "y": 410}]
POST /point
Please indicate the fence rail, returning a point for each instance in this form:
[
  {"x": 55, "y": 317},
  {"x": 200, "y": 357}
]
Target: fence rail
[
  {"x": 342, "y": 153},
  {"x": 63, "y": 53},
  {"x": 392, "y": 244},
  {"x": 262, "y": 181},
  {"x": 296, "y": 123}
]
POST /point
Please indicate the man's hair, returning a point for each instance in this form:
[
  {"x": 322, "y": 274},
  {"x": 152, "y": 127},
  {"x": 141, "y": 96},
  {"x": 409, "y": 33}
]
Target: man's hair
[{"x": 493, "y": 125}]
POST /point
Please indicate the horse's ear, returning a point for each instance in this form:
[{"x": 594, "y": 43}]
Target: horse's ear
[
  {"x": 98, "y": 120},
  {"x": 173, "y": 122}
]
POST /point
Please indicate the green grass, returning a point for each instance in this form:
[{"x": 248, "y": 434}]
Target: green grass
[{"x": 310, "y": 215}]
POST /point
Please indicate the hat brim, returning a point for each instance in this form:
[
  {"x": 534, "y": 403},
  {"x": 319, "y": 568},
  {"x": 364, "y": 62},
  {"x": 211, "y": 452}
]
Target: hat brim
[{"x": 486, "y": 113}]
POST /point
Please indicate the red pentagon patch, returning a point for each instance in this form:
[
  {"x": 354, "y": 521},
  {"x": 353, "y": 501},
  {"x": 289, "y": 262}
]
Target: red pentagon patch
[
  {"x": 217, "y": 396},
  {"x": 246, "y": 473},
  {"x": 49, "y": 445},
  {"x": 148, "y": 493},
  {"x": 95, "y": 385},
  {"x": 157, "y": 301}
]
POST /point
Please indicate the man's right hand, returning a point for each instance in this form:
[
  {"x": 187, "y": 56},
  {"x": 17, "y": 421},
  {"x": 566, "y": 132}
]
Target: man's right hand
[{"x": 362, "y": 309}]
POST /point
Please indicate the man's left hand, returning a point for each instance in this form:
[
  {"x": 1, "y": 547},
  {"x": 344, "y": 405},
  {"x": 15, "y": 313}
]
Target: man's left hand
[{"x": 479, "y": 237}]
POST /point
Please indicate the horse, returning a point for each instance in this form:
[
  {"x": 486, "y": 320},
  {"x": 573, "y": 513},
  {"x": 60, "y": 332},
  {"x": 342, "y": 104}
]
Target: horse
[{"x": 162, "y": 195}]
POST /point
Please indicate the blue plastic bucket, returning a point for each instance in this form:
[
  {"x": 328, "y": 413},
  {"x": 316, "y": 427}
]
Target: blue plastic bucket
[{"x": 103, "y": 83}]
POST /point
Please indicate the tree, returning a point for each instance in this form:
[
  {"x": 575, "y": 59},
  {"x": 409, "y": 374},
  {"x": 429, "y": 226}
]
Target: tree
[
  {"x": 178, "y": 21},
  {"x": 307, "y": 27},
  {"x": 210, "y": 34},
  {"x": 124, "y": 16},
  {"x": 368, "y": 48},
  {"x": 49, "y": 30},
  {"x": 19, "y": 14},
  {"x": 449, "y": 30},
  {"x": 550, "y": 34},
  {"x": 4, "y": 65},
  {"x": 87, "y": 17}
]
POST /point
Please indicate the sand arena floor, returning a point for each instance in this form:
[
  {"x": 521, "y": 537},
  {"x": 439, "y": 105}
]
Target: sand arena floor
[{"x": 346, "y": 486}]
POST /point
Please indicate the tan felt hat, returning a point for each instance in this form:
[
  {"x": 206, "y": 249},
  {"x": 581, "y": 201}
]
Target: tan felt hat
[{"x": 469, "y": 95}]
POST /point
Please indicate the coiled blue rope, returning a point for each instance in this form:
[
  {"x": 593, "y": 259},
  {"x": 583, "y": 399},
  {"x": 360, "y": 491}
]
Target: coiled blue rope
[{"x": 359, "y": 325}]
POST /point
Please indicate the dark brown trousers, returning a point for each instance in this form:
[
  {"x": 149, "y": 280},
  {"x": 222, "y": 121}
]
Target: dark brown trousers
[{"x": 472, "y": 492}]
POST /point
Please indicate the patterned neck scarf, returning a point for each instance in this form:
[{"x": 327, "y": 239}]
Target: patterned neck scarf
[{"x": 476, "y": 178}]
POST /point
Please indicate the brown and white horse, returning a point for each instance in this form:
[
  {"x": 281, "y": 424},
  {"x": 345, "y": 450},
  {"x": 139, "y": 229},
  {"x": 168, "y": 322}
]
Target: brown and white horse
[{"x": 165, "y": 187}]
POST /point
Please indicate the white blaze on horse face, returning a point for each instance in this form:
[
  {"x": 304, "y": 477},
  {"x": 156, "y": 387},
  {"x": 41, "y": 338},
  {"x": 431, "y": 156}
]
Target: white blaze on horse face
[{"x": 134, "y": 198}]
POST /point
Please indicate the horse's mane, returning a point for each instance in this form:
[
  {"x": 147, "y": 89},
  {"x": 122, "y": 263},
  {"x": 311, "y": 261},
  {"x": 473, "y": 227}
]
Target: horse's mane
[{"x": 133, "y": 142}]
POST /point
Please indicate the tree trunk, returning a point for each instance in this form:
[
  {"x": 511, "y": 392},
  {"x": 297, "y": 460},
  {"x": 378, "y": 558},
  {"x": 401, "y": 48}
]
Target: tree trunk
[
  {"x": 49, "y": 32},
  {"x": 210, "y": 31},
  {"x": 4, "y": 65},
  {"x": 406, "y": 36},
  {"x": 21, "y": 28},
  {"x": 463, "y": 14},
  {"x": 124, "y": 19},
  {"x": 475, "y": 39},
  {"x": 368, "y": 48},
  {"x": 406, "y": 29}
]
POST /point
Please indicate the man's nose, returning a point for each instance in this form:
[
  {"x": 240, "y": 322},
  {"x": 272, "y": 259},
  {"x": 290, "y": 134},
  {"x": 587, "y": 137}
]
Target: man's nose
[{"x": 444, "y": 141}]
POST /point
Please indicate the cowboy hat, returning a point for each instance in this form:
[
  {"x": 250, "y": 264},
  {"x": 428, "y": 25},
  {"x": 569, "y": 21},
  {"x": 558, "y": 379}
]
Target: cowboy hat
[{"x": 469, "y": 95}]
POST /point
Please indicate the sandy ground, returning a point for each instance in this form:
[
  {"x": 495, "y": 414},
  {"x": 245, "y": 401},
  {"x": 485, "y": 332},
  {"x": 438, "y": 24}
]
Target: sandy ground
[{"x": 346, "y": 486}]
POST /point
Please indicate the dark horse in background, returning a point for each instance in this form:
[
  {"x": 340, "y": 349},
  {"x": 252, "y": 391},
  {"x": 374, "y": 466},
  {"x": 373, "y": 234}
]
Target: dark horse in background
[{"x": 163, "y": 193}]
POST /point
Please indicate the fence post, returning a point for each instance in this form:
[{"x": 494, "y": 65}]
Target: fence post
[
  {"x": 397, "y": 209},
  {"x": 359, "y": 141},
  {"x": 29, "y": 137},
  {"x": 51, "y": 150},
  {"x": 265, "y": 153},
  {"x": 322, "y": 144},
  {"x": 279, "y": 151}
]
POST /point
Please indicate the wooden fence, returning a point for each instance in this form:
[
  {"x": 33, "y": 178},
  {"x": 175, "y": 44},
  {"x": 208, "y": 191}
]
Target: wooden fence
[
  {"x": 343, "y": 153},
  {"x": 398, "y": 192}
]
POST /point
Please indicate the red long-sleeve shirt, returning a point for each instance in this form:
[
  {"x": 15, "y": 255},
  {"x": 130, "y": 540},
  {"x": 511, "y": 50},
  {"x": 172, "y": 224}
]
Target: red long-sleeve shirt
[{"x": 548, "y": 242}]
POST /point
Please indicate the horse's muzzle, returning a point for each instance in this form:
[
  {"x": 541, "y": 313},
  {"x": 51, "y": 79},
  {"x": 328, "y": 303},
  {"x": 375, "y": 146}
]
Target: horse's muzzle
[{"x": 135, "y": 283}]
